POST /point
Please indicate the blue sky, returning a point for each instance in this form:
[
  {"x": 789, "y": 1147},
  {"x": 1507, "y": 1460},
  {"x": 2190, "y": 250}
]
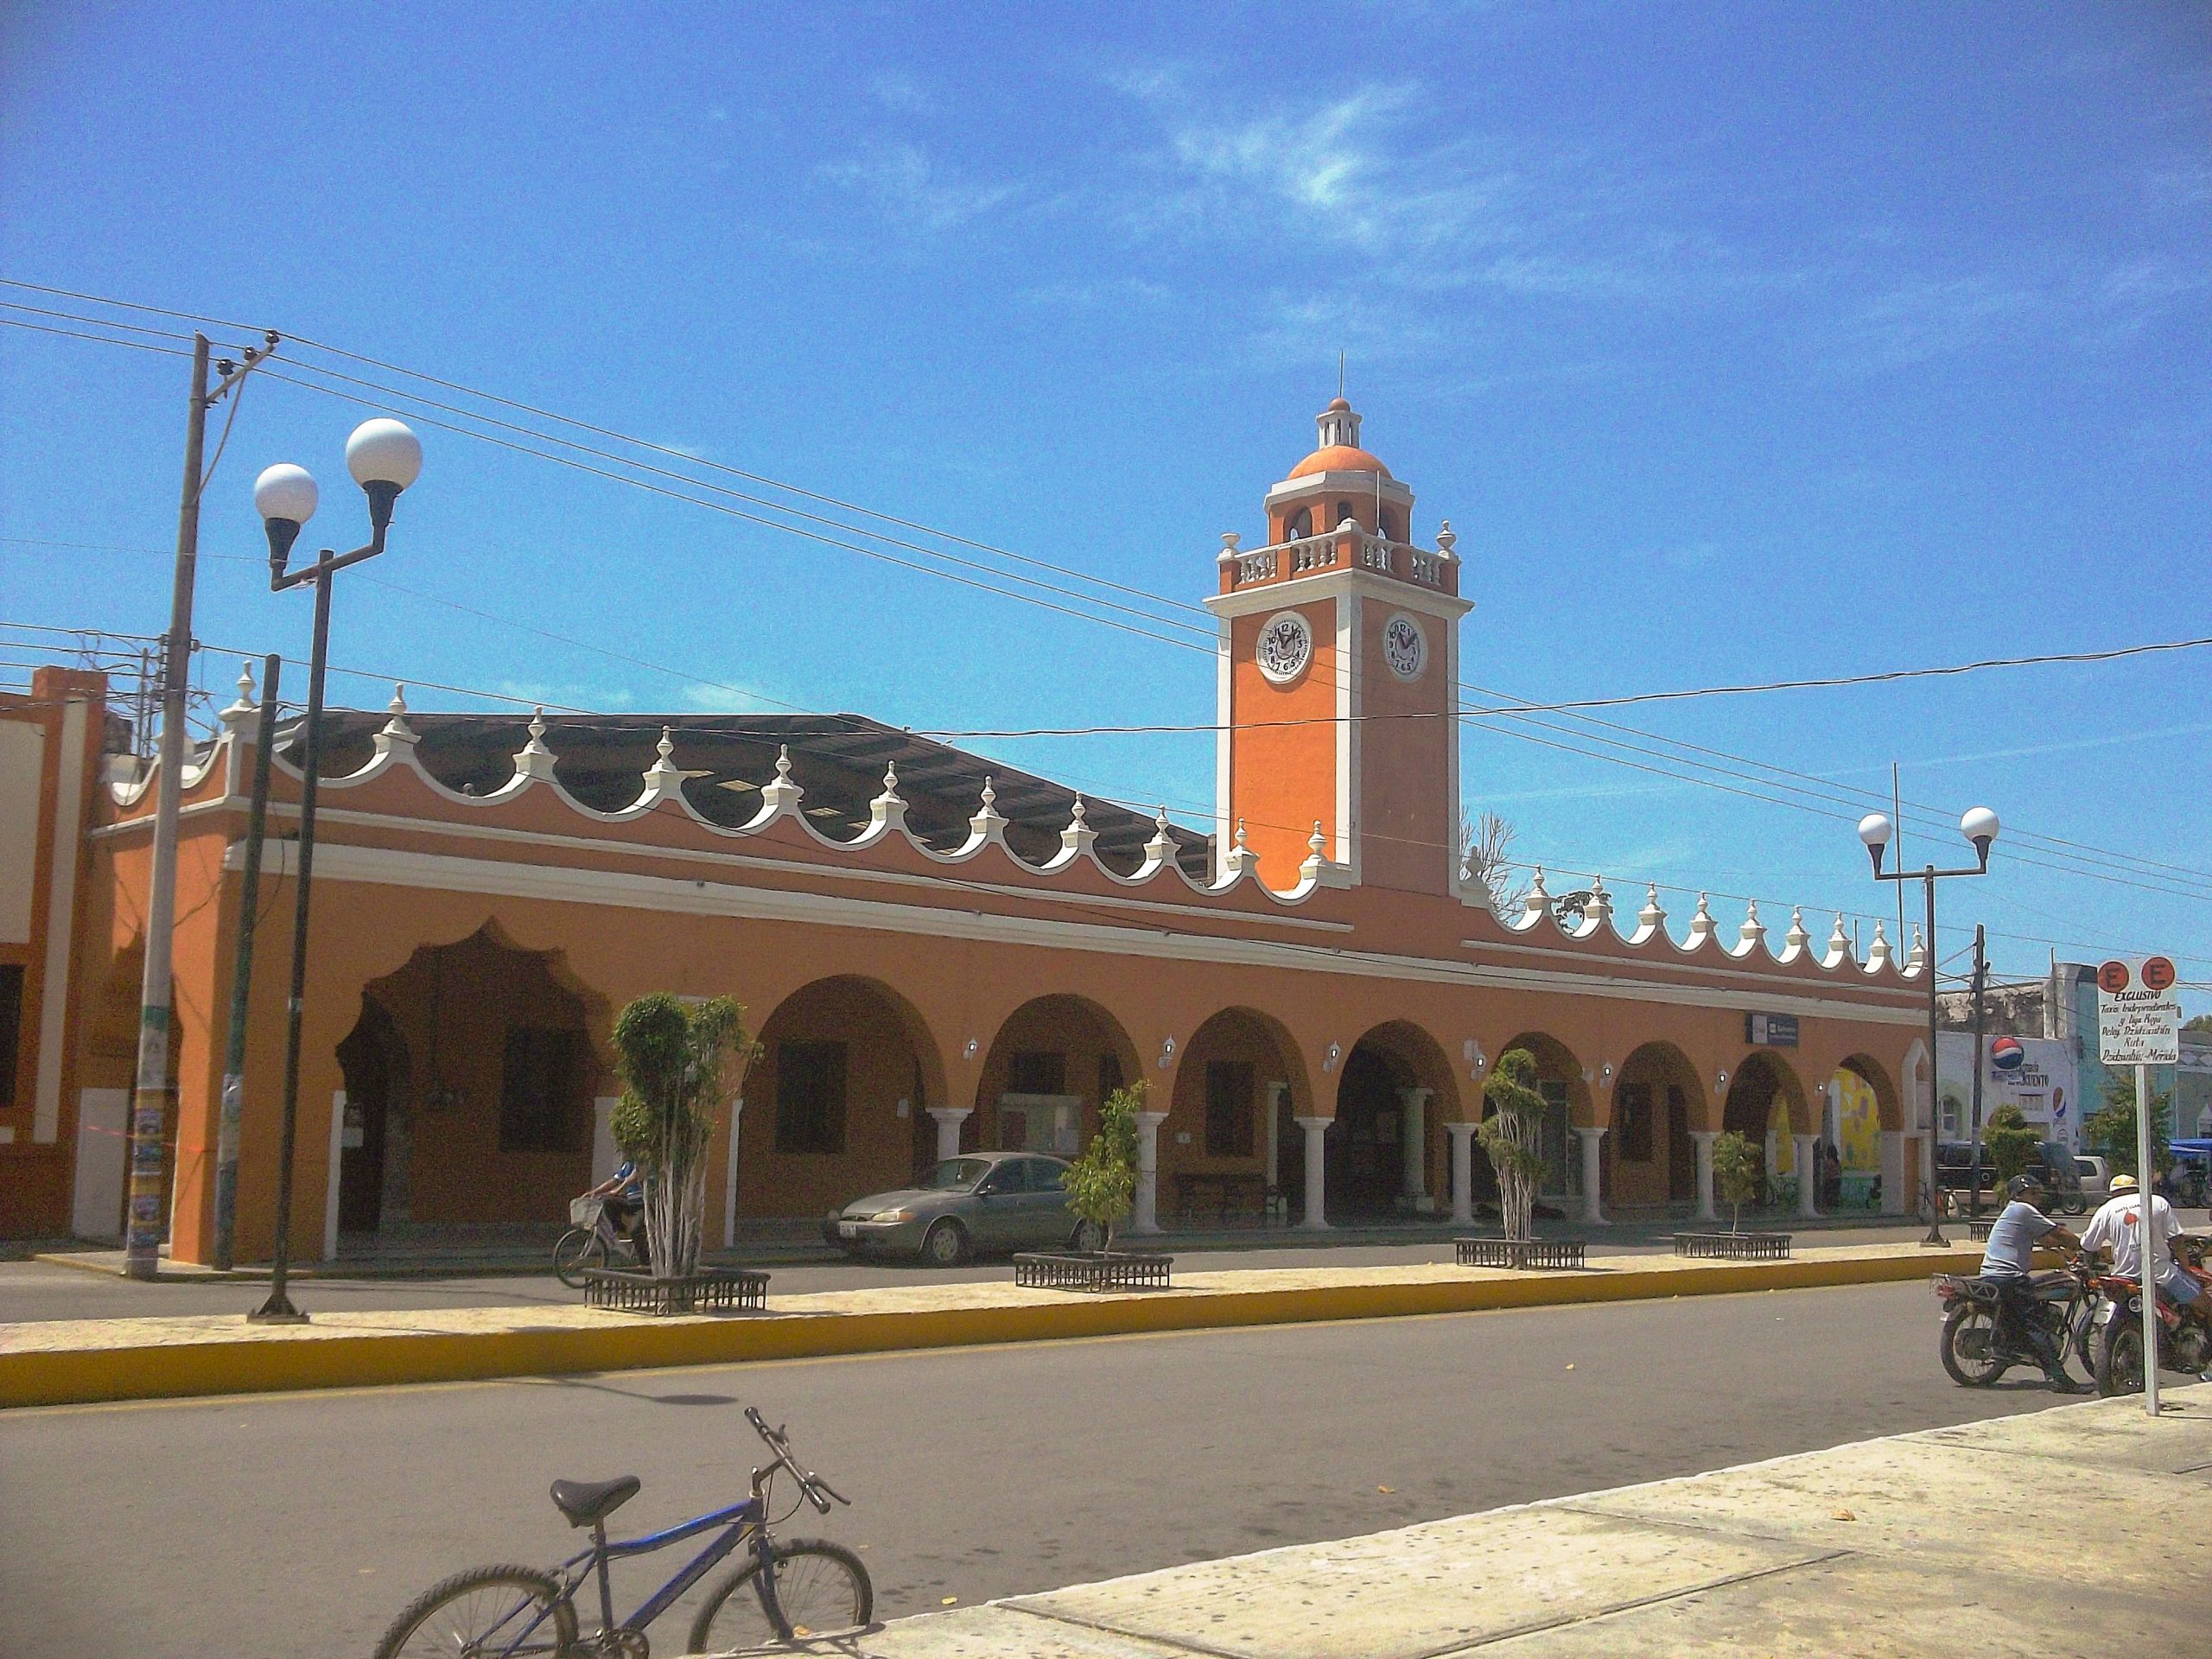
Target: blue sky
[{"x": 1736, "y": 342}]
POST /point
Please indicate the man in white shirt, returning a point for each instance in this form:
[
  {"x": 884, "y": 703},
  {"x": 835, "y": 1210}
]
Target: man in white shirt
[{"x": 2118, "y": 1227}]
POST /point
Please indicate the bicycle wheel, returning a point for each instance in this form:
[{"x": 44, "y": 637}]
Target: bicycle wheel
[
  {"x": 579, "y": 1249},
  {"x": 821, "y": 1589},
  {"x": 494, "y": 1612}
]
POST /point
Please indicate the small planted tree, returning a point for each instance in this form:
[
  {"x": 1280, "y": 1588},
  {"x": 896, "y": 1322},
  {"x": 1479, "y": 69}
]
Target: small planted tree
[
  {"x": 1739, "y": 1168},
  {"x": 2010, "y": 1142},
  {"x": 2110, "y": 1131},
  {"x": 1102, "y": 1183},
  {"x": 1512, "y": 1138},
  {"x": 678, "y": 1062}
]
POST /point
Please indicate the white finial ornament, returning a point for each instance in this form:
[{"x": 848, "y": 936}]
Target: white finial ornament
[
  {"x": 1877, "y": 954},
  {"x": 1240, "y": 835},
  {"x": 780, "y": 792},
  {"x": 1078, "y": 836},
  {"x": 662, "y": 778},
  {"x": 396, "y": 728},
  {"x": 1700, "y": 923},
  {"x": 234, "y": 716},
  {"x": 534, "y": 759},
  {"x": 1838, "y": 941},
  {"x": 1446, "y": 539},
  {"x": 1916, "y": 958},
  {"x": 1651, "y": 915},
  {"x": 1796, "y": 938},
  {"x": 1600, "y": 906},
  {"x": 1318, "y": 843},
  {"x": 666, "y": 747},
  {"x": 1539, "y": 901},
  {"x": 1752, "y": 932}
]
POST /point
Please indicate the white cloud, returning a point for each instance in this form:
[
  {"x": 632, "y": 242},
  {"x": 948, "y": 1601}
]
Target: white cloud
[
  {"x": 920, "y": 191},
  {"x": 896, "y": 90}
]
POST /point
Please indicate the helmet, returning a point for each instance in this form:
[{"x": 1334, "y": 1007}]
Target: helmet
[
  {"x": 2123, "y": 1184},
  {"x": 2021, "y": 1186}
]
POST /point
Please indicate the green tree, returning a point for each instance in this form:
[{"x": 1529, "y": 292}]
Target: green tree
[
  {"x": 679, "y": 1063},
  {"x": 2010, "y": 1142},
  {"x": 2111, "y": 1132},
  {"x": 1738, "y": 1170},
  {"x": 1512, "y": 1136},
  {"x": 1101, "y": 1183},
  {"x": 2202, "y": 1022}
]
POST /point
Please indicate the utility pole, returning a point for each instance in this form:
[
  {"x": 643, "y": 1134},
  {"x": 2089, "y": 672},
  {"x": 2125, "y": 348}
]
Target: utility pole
[
  {"x": 1981, "y": 978},
  {"x": 154, "y": 1088}
]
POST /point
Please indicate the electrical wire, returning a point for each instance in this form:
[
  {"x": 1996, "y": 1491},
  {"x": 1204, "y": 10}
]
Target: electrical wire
[{"x": 1477, "y": 713}]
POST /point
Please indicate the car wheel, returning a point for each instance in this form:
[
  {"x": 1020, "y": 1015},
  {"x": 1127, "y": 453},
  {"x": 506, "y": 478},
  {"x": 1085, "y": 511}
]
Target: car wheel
[
  {"x": 1088, "y": 1236},
  {"x": 945, "y": 1244}
]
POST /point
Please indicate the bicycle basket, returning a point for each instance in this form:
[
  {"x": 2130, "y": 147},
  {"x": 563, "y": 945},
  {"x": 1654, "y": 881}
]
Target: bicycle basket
[{"x": 585, "y": 1212}]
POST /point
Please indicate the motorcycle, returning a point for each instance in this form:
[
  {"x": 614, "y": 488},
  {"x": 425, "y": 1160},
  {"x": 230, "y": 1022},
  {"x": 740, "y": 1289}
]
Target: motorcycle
[
  {"x": 2184, "y": 1336},
  {"x": 2061, "y": 1301}
]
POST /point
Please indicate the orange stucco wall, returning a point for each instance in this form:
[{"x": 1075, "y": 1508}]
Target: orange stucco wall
[{"x": 1283, "y": 777}]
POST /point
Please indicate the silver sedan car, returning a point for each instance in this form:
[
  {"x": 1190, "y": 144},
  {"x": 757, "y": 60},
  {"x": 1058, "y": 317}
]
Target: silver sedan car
[{"x": 984, "y": 1201}]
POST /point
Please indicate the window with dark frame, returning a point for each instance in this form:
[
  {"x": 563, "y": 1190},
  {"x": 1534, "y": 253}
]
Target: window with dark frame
[
  {"x": 810, "y": 1097},
  {"x": 1033, "y": 1072},
  {"x": 11, "y": 1029},
  {"x": 1110, "y": 1076},
  {"x": 541, "y": 1096},
  {"x": 1229, "y": 1108}
]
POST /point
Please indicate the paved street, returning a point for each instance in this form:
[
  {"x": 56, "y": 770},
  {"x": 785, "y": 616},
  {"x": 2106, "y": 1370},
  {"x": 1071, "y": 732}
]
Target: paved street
[{"x": 975, "y": 1474}]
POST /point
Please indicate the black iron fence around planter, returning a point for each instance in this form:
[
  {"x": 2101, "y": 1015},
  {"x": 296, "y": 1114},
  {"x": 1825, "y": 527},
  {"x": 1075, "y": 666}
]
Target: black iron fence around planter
[
  {"x": 1081, "y": 1270},
  {"x": 1734, "y": 1247},
  {"x": 738, "y": 1290},
  {"x": 1979, "y": 1230},
  {"x": 1521, "y": 1252}
]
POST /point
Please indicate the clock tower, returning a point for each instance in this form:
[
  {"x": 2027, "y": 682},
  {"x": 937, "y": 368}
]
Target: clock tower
[{"x": 1337, "y": 667}]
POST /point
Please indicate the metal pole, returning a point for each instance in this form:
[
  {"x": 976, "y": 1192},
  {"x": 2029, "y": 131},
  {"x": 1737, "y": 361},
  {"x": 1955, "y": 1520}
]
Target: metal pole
[
  {"x": 154, "y": 1090},
  {"x": 1935, "y": 1077},
  {"x": 2146, "y": 1180},
  {"x": 1980, "y": 971},
  {"x": 256, "y": 818},
  {"x": 279, "y": 1307}
]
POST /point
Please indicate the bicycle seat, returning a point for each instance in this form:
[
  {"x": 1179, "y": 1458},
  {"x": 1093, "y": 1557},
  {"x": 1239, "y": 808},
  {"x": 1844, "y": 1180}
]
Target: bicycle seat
[{"x": 586, "y": 1502}]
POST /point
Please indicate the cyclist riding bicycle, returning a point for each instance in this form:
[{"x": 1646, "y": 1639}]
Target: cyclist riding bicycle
[{"x": 623, "y": 1193}]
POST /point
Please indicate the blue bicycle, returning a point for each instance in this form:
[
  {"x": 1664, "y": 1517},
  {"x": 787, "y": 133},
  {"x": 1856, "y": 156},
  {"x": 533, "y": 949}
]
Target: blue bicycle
[{"x": 802, "y": 1589}]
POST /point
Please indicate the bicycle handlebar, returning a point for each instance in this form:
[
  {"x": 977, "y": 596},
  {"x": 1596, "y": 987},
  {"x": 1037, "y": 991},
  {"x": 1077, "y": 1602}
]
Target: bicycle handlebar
[{"x": 817, "y": 1491}]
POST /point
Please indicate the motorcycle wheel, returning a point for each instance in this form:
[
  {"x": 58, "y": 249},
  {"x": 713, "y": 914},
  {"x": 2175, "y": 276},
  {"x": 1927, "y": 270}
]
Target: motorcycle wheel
[
  {"x": 2119, "y": 1356},
  {"x": 1969, "y": 1346}
]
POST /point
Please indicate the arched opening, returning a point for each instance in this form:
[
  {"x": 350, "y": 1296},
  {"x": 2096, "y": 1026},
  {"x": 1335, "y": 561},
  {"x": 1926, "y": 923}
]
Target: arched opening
[
  {"x": 1054, "y": 1059},
  {"x": 1239, "y": 1088},
  {"x": 1390, "y": 526},
  {"x": 838, "y": 1103},
  {"x": 1656, "y": 1102},
  {"x": 1382, "y": 1153},
  {"x": 1299, "y": 525},
  {"x": 1766, "y": 1105},
  {"x": 1862, "y": 1104},
  {"x": 470, "y": 1080},
  {"x": 1344, "y": 512},
  {"x": 1566, "y": 1103}
]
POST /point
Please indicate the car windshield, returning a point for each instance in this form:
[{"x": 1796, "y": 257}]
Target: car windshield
[{"x": 957, "y": 1174}]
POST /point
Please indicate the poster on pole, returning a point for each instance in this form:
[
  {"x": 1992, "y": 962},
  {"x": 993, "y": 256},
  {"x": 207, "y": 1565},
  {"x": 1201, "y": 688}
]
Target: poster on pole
[{"x": 2139, "y": 1012}]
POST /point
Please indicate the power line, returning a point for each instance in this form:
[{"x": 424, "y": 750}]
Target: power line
[{"x": 1823, "y": 791}]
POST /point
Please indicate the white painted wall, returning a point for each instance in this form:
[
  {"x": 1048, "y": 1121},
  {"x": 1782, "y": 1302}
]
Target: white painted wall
[{"x": 103, "y": 1145}]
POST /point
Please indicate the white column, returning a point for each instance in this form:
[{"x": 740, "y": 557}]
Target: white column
[
  {"x": 330, "y": 1189},
  {"x": 1412, "y": 1120},
  {"x": 949, "y": 1120},
  {"x": 729, "y": 1175},
  {"x": 1774, "y": 1151},
  {"x": 1701, "y": 1140},
  {"x": 1592, "y": 1173},
  {"x": 1316, "y": 1217},
  {"x": 1893, "y": 1175},
  {"x": 1463, "y": 1171},
  {"x": 1146, "y": 1218},
  {"x": 1807, "y": 1175},
  {"x": 605, "y": 1158}
]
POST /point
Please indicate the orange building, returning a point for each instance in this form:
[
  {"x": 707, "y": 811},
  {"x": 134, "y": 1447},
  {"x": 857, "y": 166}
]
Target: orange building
[{"x": 937, "y": 953}]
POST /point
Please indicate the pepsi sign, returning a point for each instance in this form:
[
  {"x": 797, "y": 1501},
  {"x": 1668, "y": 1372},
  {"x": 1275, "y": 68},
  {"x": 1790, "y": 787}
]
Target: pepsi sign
[{"x": 2006, "y": 1054}]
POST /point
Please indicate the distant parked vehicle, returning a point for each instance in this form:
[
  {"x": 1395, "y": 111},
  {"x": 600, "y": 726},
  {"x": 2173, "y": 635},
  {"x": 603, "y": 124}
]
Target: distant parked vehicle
[
  {"x": 2095, "y": 1176},
  {"x": 985, "y": 1201},
  {"x": 2053, "y": 1165}
]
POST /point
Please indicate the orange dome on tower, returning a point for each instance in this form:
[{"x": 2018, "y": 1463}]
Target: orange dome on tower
[{"x": 1339, "y": 450}]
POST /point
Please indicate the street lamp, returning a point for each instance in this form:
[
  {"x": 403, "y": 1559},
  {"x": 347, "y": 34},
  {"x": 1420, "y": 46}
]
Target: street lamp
[
  {"x": 1979, "y": 826},
  {"x": 385, "y": 458}
]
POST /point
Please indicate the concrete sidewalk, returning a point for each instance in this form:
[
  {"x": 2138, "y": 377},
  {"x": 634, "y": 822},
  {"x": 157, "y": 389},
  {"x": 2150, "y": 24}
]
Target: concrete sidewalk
[
  {"x": 1927, "y": 1546},
  {"x": 65, "y": 1361}
]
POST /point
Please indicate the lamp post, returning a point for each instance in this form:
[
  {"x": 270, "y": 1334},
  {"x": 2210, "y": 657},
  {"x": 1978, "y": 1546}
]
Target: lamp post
[
  {"x": 385, "y": 458},
  {"x": 1979, "y": 826}
]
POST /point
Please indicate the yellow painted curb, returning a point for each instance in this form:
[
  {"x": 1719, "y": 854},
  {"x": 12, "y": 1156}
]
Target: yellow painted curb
[{"x": 267, "y": 1365}]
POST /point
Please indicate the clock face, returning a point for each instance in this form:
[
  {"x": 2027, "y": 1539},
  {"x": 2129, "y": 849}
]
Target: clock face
[
  {"x": 1285, "y": 646},
  {"x": 1405, "y": 647}
]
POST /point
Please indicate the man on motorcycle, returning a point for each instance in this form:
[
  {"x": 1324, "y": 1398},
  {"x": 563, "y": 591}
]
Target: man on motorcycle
[
  {"x": 2117, "y": 1227},
  {"x": 2007, "y": 1263}
]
